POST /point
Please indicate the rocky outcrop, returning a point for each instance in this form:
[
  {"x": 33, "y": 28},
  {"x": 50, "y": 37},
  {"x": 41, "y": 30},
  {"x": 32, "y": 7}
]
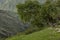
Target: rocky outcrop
[{"x": 9, "y": 23}]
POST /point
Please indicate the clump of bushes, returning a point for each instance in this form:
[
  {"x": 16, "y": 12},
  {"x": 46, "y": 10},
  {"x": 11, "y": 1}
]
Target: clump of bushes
[{"x": 39, "y": 16}]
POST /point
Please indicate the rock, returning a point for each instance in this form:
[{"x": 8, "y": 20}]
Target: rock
[
  {"x": 58, "y": 30},
  {"x": 9, "y": 23}
]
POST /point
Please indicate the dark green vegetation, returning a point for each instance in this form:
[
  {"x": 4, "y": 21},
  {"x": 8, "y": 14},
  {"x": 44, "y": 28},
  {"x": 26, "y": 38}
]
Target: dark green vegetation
[{"x": 39, "y": 16}]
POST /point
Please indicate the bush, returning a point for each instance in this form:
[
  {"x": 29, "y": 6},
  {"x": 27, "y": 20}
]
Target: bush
[{"x": 38, "y": 15}]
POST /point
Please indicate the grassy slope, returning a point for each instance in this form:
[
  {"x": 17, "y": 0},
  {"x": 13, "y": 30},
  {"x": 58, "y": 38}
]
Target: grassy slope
[{"x": 46, "y": 34}]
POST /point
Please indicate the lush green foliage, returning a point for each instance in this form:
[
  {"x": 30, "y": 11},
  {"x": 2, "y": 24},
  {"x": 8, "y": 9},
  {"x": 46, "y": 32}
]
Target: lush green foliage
[
  {"x": 38, "y": 15},
  {"x": 28, "y": 10}
]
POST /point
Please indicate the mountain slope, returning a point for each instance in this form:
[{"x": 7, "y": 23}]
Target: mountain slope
[
  {"x": 9, "y": 4},
  {"x": 46, "y": 34},
  {"x": 9, "y": 23}
]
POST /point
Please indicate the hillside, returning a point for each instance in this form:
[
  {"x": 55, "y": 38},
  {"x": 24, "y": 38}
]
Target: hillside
[
  {"x": 46, "y": 34},
  {"x": 9, "y": 23},
  {"x": 9, "y": 5}
]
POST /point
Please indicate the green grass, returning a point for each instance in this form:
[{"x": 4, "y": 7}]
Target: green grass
[{"x": 46, "y": 34}]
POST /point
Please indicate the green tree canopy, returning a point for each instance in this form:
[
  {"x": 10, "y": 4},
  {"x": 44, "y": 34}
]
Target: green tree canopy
[{"x": 38, "y": 15}]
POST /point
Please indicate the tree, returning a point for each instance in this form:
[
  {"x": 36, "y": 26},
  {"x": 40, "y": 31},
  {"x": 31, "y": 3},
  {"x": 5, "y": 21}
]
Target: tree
[{"x": 38, "y": 15}]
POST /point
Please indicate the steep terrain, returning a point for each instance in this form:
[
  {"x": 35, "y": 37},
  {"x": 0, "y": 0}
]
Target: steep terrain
[
  {"x": 9, "y": 23},
  {"x": 46, "y": 34},
  {"x": 9, "y": 4}
]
